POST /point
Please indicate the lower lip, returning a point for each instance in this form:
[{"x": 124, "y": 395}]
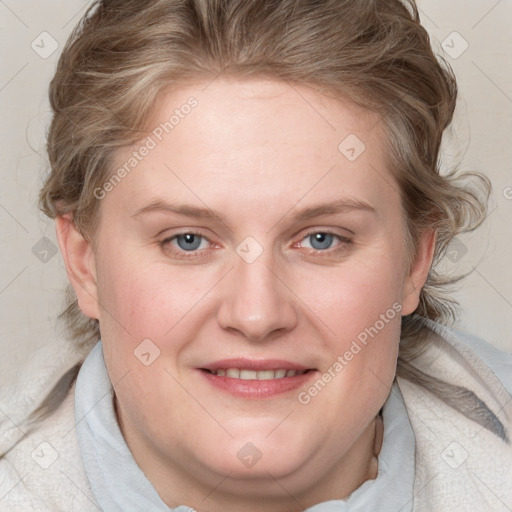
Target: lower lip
[{"x": 258, "y": 388}]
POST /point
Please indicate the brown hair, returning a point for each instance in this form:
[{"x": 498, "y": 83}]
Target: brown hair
[{"x": 125, "y": 53}]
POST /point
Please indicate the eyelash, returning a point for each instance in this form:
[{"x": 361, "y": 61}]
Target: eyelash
[{"x": 344, "y": 242}]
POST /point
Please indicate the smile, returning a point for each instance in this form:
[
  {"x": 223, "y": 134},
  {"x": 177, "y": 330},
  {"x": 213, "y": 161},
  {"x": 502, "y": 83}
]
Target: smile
[
  {"x": 246, "y": 374},
  {"x": 256, "y": 378}
]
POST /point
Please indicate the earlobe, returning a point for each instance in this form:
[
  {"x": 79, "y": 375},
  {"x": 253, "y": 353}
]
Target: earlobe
[
  {"x": 418, "y": 271},
  {"x": 80, "y": 264}
]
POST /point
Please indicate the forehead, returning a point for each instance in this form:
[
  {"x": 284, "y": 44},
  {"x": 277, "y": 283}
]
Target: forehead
[
  {"x": 257, "y": 142},
  {"x": 265, "y": 112}
]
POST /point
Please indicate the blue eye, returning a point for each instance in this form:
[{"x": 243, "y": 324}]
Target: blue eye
[
  {"x": 320, "y": 241},
  {"x": 188, "y": 241},
  {"x": 187, "y": 245}
]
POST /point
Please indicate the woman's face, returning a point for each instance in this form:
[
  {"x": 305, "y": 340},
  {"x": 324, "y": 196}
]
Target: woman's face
[{"x": 259, "y": 232}]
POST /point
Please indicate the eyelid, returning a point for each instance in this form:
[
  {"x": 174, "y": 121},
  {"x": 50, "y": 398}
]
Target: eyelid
[
  {"x": 170, "y": 238},
  {"x": 344, "y": 240}
]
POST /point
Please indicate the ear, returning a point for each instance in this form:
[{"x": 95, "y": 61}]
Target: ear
[
  {"x": 418, "y": 271},
  {"x": 80, "y": 264}
]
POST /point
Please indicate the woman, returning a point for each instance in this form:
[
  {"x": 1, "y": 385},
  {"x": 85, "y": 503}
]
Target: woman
[{"x": 248, "y": 202}]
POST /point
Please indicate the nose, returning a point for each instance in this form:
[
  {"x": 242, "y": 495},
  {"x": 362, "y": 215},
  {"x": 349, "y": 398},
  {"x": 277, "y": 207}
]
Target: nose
[{"x": 257, "y": 303}]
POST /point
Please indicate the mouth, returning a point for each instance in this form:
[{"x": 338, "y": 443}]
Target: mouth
[
  {"x": 246, "y": 378},
  {"x": 247, "y": 374}
]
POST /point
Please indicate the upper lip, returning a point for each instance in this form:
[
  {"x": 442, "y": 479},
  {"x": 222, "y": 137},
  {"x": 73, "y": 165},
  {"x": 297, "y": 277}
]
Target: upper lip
[{"x": 255, "y": 364}]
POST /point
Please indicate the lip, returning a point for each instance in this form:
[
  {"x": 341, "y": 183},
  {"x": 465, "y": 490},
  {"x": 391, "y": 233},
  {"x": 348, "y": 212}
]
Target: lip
[
  {"x": 255, "y": 364},
  {"x": 257, "y": 389}
]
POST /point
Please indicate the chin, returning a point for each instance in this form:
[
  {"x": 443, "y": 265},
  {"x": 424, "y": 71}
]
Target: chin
[{"x": 257, "y": 458}]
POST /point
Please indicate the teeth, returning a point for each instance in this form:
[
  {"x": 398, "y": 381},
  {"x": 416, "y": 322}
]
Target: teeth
[
  {"x": 244, "y": 374},
  {"x": 248, "y": 374}
]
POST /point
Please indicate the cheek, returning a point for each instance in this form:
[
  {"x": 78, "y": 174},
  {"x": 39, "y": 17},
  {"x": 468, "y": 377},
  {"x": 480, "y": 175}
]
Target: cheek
[
  {"x": 151, "y": 301},
  {"x": 146, "y": 299},
  {"x": 352, "y": 296},
  {"x": 358, "y": 307},
  {"x": 372, "y": 316}
]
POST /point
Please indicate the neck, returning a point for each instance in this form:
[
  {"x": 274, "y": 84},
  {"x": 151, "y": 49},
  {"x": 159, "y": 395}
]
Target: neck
[{"x": 193, "y": 486}]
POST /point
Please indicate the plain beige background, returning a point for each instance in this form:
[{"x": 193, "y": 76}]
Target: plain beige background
[{"x": 474, "y": 37}]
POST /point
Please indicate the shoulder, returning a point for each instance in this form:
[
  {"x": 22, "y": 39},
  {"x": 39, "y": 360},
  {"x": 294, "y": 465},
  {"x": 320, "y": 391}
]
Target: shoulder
[
  {"x": 43, "y": 471},
  {"x": 459, "y": 405},
  {"x": 467, "y": 373},
  {"x": 498, "y": 361}
]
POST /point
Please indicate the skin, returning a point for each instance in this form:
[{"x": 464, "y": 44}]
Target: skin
[{"x": 257, "y": 151}]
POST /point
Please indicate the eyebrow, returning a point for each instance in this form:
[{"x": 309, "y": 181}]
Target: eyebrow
[{"x": 335, "y": 207}]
